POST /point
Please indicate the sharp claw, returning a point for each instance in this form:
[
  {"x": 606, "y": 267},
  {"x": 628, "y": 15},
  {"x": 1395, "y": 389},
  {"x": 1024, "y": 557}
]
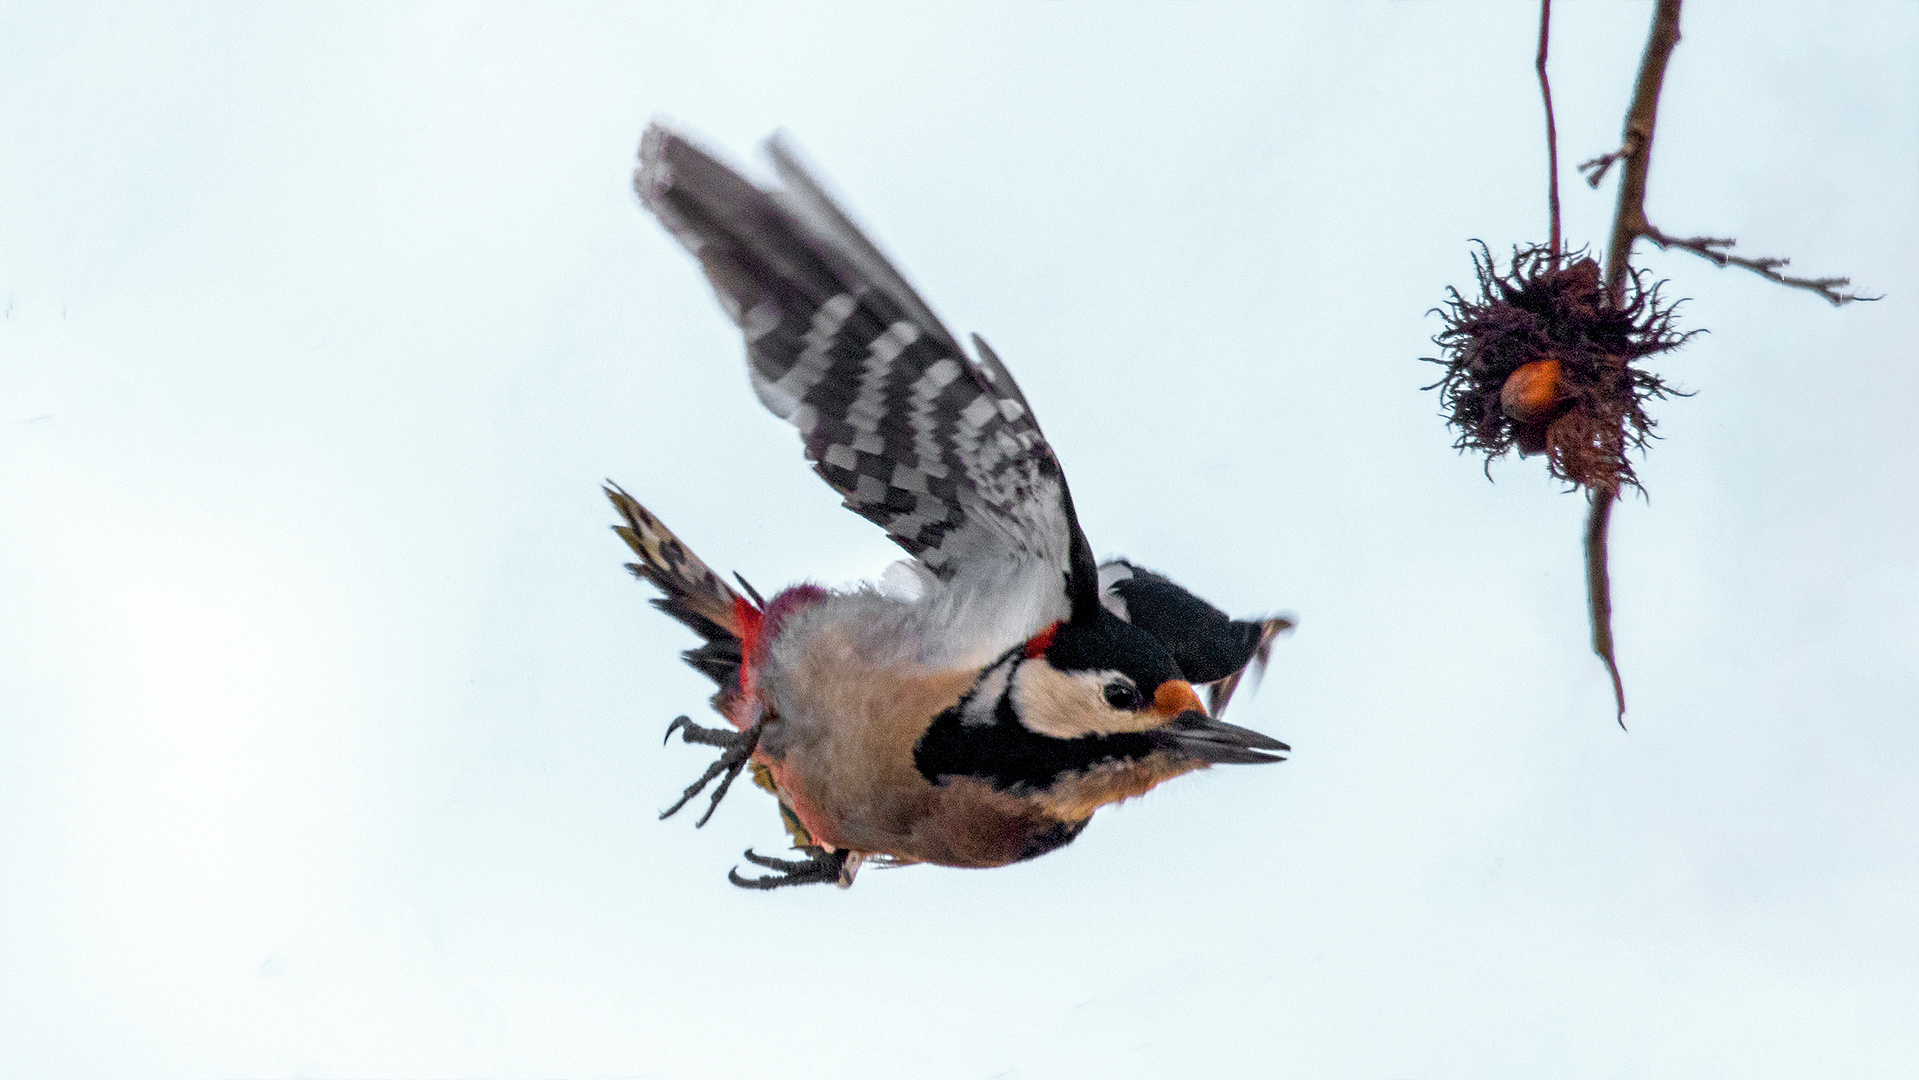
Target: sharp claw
[
  {"x": 820, "y": 868},
  {"x": 693, "y": 733},
  {"x": 678, "y": 723},
  {"x": 732, "y": 773},
  {"x": 765, "y": 882},
  {"x": 791, "y": 866},
  {"x": 694, "y": 789},
  {"x": 737, "y": 751}
]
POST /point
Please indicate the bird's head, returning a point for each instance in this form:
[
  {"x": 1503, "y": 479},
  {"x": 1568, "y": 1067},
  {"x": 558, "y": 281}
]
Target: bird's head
[{"x": 1088, "y": 711}]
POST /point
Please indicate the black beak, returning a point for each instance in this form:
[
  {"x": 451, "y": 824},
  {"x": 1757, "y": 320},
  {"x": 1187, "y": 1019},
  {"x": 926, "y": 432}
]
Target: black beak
[{"x": 1216, "y": 742}]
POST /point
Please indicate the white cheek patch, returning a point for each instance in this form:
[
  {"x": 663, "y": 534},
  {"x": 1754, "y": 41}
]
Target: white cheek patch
[
  {"x": 979, "y": 710},
  {"x": 1067, "y": 705}
]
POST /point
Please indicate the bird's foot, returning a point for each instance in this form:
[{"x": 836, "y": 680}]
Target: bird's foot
[
  {"x": 736, "y": 750},
  {"x": 820, "y": 867}
]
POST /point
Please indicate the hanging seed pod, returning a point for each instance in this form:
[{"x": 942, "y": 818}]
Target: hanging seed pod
[{"x": 1542, "y": 361}]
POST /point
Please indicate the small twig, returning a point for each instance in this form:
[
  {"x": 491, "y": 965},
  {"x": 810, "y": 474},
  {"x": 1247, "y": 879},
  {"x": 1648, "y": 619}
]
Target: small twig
[
  {"x": 1630, "y": 222},
  {"x": 1596, "y": 169},
  {"x": 1552, "y": 133},
  {"x": 1717, "y": 250}
]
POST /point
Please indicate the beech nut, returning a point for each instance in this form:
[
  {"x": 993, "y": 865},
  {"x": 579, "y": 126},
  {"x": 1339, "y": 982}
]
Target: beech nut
[{"x": 1530, "y": 393}]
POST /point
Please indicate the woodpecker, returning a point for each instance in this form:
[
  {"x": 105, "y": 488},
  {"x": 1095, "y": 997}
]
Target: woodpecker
[{"x": 978, "y": 705}]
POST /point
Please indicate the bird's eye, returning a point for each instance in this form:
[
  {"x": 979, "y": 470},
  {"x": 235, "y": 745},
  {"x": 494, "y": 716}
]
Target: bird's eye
[{"x": 1122, "y": 695}]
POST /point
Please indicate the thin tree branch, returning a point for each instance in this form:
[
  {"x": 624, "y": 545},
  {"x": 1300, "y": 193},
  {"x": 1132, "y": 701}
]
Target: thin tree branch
[
  {"x": 1552, "y": 133},
  {"x": 1717, "y": 250},
  {"x": 1599, "y": 588},
  {"x": 1629, "y": 223}
]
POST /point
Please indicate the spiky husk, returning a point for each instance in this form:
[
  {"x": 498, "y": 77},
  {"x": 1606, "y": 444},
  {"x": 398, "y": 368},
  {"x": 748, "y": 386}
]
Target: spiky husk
[{"x": 1553, "y": 307}]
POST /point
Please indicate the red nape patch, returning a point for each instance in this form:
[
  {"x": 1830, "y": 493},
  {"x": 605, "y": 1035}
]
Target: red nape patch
[{"x": 1037, "y": 645}]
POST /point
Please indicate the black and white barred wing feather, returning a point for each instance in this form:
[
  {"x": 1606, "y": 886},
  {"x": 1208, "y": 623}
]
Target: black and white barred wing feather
[{"x": 939, "y": 450}]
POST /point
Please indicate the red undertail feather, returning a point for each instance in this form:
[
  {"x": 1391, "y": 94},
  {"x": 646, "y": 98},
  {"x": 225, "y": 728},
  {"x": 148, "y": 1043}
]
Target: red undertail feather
[{"x": 750, "y": 620}]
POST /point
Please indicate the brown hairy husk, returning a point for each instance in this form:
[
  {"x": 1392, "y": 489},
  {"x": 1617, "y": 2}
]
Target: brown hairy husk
[{"x": 1552, "y": 306}]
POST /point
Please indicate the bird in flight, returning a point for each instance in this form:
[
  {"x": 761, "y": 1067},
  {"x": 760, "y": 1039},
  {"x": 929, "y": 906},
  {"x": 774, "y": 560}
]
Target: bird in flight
[{"x": 976, "y": 708}]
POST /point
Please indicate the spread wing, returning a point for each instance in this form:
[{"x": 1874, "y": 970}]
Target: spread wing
[{"x": 938, "y": 449}]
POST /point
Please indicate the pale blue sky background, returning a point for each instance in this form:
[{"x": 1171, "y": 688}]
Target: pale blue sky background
[{"x": 329, "y": 723}]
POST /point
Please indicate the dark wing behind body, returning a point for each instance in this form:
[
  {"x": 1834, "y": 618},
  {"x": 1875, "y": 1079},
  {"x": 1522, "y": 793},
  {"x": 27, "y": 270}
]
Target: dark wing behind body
[
  {"x": 939, "y": 450},
  {"x": 1211, "y": 647}
]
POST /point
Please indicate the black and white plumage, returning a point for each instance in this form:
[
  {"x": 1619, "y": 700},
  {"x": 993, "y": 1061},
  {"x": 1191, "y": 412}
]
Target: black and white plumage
[
  {"x": 983, "y": 719},
  {"x": 938, "y": 449}
]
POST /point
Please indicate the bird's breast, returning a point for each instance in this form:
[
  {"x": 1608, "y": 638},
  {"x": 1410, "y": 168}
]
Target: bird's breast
[{"x": 845, "y": 711}]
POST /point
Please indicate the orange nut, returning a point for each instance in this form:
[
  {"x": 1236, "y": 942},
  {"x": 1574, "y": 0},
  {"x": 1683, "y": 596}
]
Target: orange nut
[{"x": 1530, "y": 393}]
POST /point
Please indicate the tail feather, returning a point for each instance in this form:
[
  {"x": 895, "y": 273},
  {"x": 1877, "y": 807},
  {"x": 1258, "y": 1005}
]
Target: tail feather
[{"x": 693, "y": 593}]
